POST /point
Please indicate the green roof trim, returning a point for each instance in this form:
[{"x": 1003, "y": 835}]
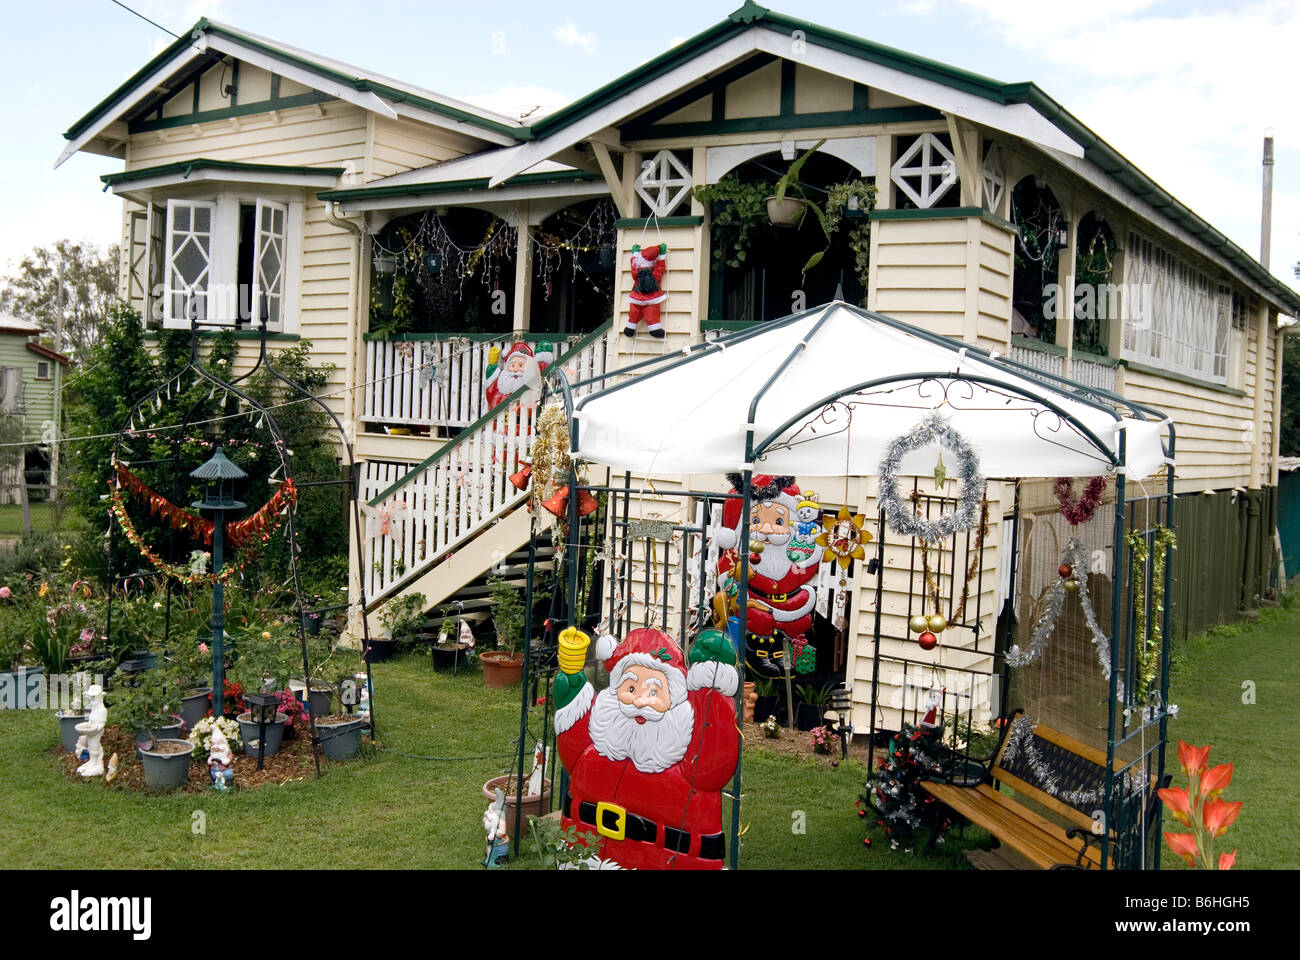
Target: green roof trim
[
  {"x": 452, "y": 186},
  {"x": 357, "y": 82},
  {"x": 185, "y": 167}
]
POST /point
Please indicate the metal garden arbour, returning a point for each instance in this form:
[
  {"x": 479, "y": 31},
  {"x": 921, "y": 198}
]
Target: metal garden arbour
[
  {"x": 1129, "y": 724},
  {"x": 267, "y": 419}
]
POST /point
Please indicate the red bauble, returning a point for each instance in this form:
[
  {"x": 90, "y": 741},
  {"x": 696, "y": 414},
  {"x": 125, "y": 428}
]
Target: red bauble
[
  {"x": 927, "y": 641},
  {"x": 1065, "y": 570},
  {"x": 866, "y": 841}
]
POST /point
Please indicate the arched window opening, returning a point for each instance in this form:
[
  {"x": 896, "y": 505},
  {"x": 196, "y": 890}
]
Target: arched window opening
[
  {"x": 574, "y": 268},
  {"x": 1096, "y": 299},
  {"x": 1036, "y": 294}
]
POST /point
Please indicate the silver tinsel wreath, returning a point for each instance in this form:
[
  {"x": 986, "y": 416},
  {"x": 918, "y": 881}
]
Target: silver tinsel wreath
[
  {"x": 901, "y": 519},
  {"x": 1076, "y": 556}
]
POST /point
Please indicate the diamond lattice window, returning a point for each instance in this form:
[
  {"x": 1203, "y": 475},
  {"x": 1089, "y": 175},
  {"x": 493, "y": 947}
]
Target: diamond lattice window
[
  {"x": 925, "y": 171},
  {"x": 664, "y": 183}
]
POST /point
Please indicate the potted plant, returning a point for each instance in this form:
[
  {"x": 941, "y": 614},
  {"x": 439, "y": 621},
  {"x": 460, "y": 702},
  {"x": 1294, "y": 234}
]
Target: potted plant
[
  {"x": 150, "y": 707},
  {"x": 401, "y": 623},
  {"x": 784, "y": 210},
  {"x": 191, "y": 663},
  {"x": 250, "y": 728},
  {"x": 166, "y": 763},
  {"x": 449, "y": 650},
  {"x": 504, "y": 667},
  {"x": 808, "y": 713},
  {"x": 340, "y": 735},
  {"x": 533, "y": 805},
  {"x": 765, "y": 704}
]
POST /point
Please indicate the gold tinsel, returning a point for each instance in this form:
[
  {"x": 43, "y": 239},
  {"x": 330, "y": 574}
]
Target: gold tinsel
[{"x": 551, "y": 462}]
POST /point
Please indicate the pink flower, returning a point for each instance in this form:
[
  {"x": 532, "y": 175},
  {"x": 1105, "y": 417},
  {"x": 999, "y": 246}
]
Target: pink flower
[
  {"x": 203, "y": 648},
  {"x": 87, "y": 634},
  {"x": 5, "y": 593}
]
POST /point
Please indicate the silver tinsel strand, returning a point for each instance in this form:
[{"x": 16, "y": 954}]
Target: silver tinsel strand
[
  {"x": 1076, "y": 556},
  {"x": 1020, "y": 738},
  {"x": 901, "y": 519}
]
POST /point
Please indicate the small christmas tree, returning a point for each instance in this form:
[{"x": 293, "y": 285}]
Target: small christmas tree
[{"x": 894, "y": 788}]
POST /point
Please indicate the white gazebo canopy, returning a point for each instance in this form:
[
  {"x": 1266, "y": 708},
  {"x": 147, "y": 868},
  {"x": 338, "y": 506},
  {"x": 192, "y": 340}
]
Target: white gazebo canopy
[{"x": 689, "y": 412}]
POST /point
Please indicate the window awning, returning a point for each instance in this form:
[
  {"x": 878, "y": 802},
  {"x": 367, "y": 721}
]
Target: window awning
[{"x": 140, "y": 184}]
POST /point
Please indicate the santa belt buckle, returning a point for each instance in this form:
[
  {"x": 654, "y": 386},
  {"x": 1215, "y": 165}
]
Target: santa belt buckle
[
  {"x": 777, "y": 597},
  {"x": 619, "y": 830}
]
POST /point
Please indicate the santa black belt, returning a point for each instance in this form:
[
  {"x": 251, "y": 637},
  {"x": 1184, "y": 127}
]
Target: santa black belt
[{"x": 647, "y": 831}]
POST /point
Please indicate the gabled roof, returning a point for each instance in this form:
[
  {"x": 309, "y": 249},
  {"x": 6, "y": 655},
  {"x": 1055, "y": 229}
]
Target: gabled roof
[
  {"x": 208, "y": 41},
  {"x": 46, "y": 352}
]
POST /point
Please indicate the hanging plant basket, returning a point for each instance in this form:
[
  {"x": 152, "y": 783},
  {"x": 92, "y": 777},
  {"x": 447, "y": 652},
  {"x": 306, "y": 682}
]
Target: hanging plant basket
[{"x": 786, "y": 213}]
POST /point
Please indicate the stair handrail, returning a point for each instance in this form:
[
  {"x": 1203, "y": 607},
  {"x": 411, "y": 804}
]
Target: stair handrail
[{"x": 447, "y": 448}]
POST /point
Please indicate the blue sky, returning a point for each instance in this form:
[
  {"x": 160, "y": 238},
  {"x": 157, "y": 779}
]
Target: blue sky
[{"x": 1185, "y": 90}]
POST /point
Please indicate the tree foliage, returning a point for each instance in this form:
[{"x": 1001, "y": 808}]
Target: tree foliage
[{"x": 89, "y": 287}]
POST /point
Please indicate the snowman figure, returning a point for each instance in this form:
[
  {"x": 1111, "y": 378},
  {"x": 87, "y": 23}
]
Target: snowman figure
[{"x": 220, "y": 761}]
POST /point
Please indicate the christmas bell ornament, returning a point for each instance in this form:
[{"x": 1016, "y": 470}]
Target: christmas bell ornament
[
  {"x": 1065, "y": 570},
  {"x": 919, "y": 623},
  {"x": 937, "y": 623},
  {"x": 520, "y": 479},
  {"x": 559, "y": 503},
  {"x": 927, "y": 641},
  {"x": 587, "y": 504}
]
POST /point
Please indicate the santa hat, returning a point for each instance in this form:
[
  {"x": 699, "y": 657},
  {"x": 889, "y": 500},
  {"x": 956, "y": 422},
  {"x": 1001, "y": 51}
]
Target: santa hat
[
  {"x": 514, "y": 348},
  {"x": 764, "y": 488},
  {"x": 646, "y": 647}
]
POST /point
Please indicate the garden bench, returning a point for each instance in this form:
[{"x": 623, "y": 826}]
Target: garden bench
[{"x": 1076, "y": 768}]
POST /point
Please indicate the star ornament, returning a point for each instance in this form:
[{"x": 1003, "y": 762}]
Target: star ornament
[{"x": 843, "y": 537}]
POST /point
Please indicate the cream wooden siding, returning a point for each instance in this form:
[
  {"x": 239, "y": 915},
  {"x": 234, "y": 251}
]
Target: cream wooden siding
[
  {"x": 951, "y": 276},
  {"x": 400, "y": 145},
  {"x": 683, "y": 281}
]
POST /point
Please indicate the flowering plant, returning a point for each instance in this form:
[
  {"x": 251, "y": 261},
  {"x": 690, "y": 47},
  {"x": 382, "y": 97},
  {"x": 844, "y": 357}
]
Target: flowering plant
[
  {"x": 1200, "y": 808},
  {"x": 201, "y": 736},
  {"x": 769, "y": 727},
  {"x": 822, "y": 738},
  {"x": 294, "y": 709}
]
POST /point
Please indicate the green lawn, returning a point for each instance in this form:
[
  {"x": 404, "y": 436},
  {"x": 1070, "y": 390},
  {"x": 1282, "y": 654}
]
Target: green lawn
[
  {"x": 11, "y": 518},
  {"x": 417, "y": 802}
]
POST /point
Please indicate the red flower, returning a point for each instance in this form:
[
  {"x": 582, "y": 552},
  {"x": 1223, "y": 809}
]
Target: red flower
[
  {"x": 1213, "y": 783},
  {"x": 1227, "y": 860},
  {"x": 1219, "y": 816},
  {"x": 1183, "y": 844},
  {"x": 1192, "y": 759},
  {"x": 1176, "y": 799}
]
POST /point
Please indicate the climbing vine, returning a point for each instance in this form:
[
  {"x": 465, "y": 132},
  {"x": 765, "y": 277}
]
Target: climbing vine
[{"x": 1148, "y": 648}]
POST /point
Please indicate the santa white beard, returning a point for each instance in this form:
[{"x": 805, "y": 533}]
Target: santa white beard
[
  {"x": 508, "y": 382},
  {"x": 653, "y": 746},
  {"x": 773, "y": 562}
]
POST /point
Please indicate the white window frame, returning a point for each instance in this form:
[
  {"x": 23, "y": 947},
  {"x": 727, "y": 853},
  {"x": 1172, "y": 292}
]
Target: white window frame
[
  {"x": 221, "y": 305},
  {"x": 49, "y": 371},
  {"x": 263, "y": 238},
  {"x": 207, "y": 275}
]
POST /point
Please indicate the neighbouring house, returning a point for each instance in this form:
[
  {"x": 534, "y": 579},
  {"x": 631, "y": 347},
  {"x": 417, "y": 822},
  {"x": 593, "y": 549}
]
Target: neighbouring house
[
  {"x": 413, "y": 238},
  {"x": 31, "y": 406}
]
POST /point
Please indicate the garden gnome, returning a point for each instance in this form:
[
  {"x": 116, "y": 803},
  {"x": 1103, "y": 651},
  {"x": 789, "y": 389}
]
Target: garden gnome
[
  {"x": 648, "y": 756},
  {"x": 779, "y": 602},
  {"x": 518, "y": 367},
  {"x": 498, "y": 839},
  {"x": 91, "y": 730},
  {"x": 535, "y": 779},
  {"x": 220, "y": 761},
  {"x": 647, "y": 295}
]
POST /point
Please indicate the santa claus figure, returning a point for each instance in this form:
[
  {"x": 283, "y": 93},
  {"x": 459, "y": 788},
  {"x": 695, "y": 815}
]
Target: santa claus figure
[
  {"x": 648, "y": 268},
  {"x": 648, "y": 756},
  {"x": 518, "y": 367},
  {"x": 779, "y": 602}
]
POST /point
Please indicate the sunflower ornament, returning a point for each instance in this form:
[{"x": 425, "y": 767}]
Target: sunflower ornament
[{"x": 843, "y": 537}]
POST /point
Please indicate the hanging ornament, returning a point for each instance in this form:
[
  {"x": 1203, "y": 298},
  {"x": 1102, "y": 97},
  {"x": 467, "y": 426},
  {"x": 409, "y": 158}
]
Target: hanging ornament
[
  {"x": 937, "y": 623},
  {"x": 383, "y": 520},
  {"x": 940, "y": 473},
  {"x": 927, "y": 640},
  {"x": 844, "y": 538},
  {"x": 1080, "y": 510},
  {"x": 646, "y": 297},
  {"x": 919, "y": 623}
]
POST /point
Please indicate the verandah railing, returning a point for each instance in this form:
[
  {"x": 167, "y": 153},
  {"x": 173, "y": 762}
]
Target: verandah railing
[
  {"x": 435, "y": 380},
  {"x": 420, "y": 513}
]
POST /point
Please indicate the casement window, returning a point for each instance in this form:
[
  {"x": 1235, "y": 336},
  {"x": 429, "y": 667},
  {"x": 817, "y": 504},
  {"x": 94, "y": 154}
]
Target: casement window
[
  {"x": 228, "y": 261},
  {"x": 42, "y": 369},
  {"x": 1175, "y": 316}
]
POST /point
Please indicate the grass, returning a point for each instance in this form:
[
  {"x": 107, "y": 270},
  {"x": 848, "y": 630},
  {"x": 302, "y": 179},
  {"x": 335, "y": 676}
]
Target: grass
[
  {"x": 417, "y": 802},
  {"x": 11, "y": 518}
]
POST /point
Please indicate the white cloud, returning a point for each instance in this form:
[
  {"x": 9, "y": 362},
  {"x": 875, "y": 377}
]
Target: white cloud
[
  {"x": 516, "y": 101},
  {"x": 570, "y": 36}
]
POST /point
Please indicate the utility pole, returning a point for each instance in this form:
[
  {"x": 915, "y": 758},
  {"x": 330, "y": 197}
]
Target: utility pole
[
  {"x": 59, "y": 308},
  {"x": 1266, "y": 209}
]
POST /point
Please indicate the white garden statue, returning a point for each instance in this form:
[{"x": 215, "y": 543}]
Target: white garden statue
[
  {"x": 498, "y": 837},
  {"x": 220, "y": 760},
  {"x": 91, "y": 730}
]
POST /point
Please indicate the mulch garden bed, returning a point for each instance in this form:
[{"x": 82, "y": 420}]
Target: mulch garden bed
[{"x": 293, "y": 762}]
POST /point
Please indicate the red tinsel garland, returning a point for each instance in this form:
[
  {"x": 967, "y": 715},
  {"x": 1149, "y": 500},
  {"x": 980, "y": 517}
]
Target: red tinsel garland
[
  {"x": 266, "y": 518},
  {"x": 159, "y": 506},
  {"x": 1081, "y": 510}
]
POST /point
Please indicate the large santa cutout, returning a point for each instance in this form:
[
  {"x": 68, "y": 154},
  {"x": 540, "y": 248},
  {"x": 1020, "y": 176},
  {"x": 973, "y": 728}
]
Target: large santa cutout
[
  {"x": 648, "y": 756},
  {"x": 518, "y": 367},
  {"x": 779, "y": 601}
]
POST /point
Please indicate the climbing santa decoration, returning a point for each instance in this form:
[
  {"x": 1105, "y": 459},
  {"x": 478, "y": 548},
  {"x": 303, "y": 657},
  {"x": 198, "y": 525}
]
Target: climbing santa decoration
[
  {"x": 779, "y": 604},
  {"x": 649, "y": 755},
  {"x": 646, "y": 296},
  {"x": 518, "y": 367}
]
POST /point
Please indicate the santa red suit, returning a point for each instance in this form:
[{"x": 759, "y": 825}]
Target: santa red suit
[
  {"x": 648, "y": 268},
  {"x": 779, "y": 601},
  {"x": 648, "y": 756},
  {"x": 516, "y": 368}
]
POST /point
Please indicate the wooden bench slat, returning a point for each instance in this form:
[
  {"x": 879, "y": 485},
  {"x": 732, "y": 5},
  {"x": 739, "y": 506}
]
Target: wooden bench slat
[{"x": 1019, "y": 828}]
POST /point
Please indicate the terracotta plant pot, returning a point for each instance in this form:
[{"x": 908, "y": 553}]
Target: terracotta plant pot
[
  {"x": 750, "y": 700},
  {"x": 502, "y": 669},
  {"x": 534, "y": 804},
  {"x": 786, "y": 213}
]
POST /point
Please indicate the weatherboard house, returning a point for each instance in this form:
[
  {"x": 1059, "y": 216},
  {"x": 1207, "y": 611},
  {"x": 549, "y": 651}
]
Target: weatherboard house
[{"x": 413, "y": 239}]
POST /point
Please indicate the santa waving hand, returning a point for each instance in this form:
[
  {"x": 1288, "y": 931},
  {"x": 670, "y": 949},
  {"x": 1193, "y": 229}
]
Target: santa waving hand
[{"x": 648, "y": 756}]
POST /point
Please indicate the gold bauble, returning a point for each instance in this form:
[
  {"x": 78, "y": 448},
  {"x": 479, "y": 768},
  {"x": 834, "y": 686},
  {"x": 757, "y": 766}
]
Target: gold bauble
[
  {"x": 919, "y": 623},
  {"x": 1071, "y": 586},
  {"x": 937, "y": 623},
  {"x": 756, "y": 546}
]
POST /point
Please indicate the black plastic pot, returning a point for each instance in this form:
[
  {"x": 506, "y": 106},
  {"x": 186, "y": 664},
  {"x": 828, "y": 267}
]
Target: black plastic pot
[
  {"x": 380, "y": 650},
  {"x": 807, "y": 716},
  {"x": 765, "y": 707},
  {"x": 449, "y": 657}
]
